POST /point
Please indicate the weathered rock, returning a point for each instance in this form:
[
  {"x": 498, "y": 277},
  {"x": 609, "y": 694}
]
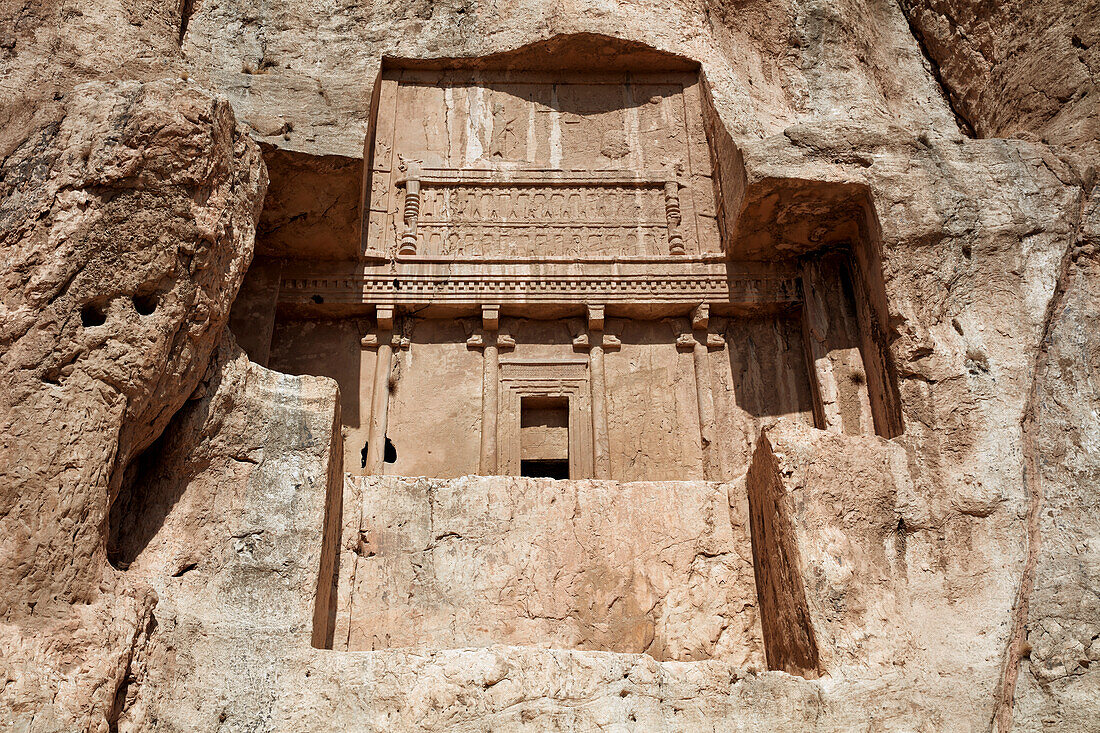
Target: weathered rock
[
  {"x": 1058, "y": 620},
  {"x": 1018, "y": 69},
  {"x": 234, "y": 543},
  {"x": 303, "y": 80},
  {"x": 227, "y": 521},
  {"x": 942, "y": 576},
  {"x": 127, "y": 224},
  {"x": 660, "y": 568}
]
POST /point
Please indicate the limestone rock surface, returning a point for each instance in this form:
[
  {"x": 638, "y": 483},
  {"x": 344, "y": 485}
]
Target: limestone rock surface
[
  {"x": 179, "y": 544},
  {"x": 233, "y": 542},
  {"x": 660, "y": 568},
  {"x": 1058, "y": 679},
  {"x": 126, "y": 225},
  {"x": 1018, "y": 69}
]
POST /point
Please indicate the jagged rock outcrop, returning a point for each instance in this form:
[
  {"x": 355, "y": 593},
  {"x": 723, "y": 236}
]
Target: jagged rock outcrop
[
  {"x": 1018, "y": 69},
  {"x": 127, "y": 223}
]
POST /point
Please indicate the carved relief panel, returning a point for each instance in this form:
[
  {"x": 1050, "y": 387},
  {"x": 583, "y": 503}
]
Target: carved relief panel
[{"x": 511, "y": 165}]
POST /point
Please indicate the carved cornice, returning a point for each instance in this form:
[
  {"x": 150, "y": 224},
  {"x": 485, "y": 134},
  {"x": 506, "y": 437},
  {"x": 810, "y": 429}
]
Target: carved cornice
[{"x": 614, "y": 283}]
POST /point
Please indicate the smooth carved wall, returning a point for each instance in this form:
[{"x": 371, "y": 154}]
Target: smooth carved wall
[
  {"x": 435, "y": 407},
  {"x": 531, "y": 562},
  {"x": 554, "y": 235},
  {"x": 541, "y": 165},
  {"x": 552, "y": 241}
]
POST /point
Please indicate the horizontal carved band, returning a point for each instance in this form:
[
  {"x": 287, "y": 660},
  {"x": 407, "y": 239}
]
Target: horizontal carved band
[
  {"x": 544, "y": 288},
  {"x": 542, "y": 177}
]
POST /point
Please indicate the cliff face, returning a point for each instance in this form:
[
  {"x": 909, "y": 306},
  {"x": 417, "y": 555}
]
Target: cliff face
[
  {"x": 1025, "y": 70},
  {"x": 128, "y": 214},
  {"x": 181, "y": 550}
]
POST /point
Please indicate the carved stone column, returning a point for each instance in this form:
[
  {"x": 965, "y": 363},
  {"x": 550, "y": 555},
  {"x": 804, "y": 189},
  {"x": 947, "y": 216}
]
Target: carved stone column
[
  {"x": 411, "y": 179},
  {"x": 490, "y": 342},
  {"x": 596, "y": 342},
  {"x": 672, "y": 210},
  {"x": 700, "y": 342},
  {"x": 384, "y": 340}
]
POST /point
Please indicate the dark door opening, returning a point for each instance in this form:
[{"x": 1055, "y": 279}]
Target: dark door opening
[
  {"x": 544, "y": 469},
  {"x": 544, "y": 437}
]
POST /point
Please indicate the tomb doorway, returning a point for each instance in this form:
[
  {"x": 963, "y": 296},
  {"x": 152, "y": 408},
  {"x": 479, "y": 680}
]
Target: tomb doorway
[{"x": 544, "y": 437}]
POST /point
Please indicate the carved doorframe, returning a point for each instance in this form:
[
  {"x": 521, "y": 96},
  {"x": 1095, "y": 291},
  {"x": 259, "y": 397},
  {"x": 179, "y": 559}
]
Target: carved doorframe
[{"x": 567, "y": 378}]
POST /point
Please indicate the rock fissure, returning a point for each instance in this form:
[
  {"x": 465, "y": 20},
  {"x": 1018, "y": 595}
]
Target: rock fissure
[{"x": 1002, "y": 718}]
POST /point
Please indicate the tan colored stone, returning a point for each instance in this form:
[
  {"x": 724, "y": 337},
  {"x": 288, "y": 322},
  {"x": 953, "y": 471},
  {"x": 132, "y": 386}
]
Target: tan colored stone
[
  {"x": 1018, "y": 69},
  {"x": 128, "y": 224},
  {"x": 660, "y": 568},
  {"x": 893, "y": 363}
]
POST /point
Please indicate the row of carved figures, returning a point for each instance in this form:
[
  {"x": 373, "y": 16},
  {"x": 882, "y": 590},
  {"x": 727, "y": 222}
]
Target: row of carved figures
[
  {"x": 537, "y": 240},
  {"x": 419, "y": 203},
  {"x": 483, "y": 203}
]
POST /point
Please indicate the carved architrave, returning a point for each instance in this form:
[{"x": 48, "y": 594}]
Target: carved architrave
[{"x": 430, "y": 282}]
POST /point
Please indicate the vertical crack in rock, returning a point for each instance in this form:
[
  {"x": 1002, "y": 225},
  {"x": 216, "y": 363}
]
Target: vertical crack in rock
[
  {"x": 187, "y": 8},
  {"x": 132, "y": 665},
  {"x": 1033, "y": 486},
  {"x": 965, "y": 125}
]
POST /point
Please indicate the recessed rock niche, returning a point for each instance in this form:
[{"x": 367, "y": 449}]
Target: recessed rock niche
[{"x": 559, "y": 274}]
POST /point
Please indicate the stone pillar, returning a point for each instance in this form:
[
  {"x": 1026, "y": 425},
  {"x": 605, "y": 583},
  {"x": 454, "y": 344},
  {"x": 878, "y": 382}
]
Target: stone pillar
[
  {"x": 672, "y": 211},
  {"x": 601, "y": 450},
  {"x": 490, "y": 405},
  {"x": 411, "y": 180},
  {"x": 490, "y": 341},
  {"x": 490, "y": 389},
  {"x": 596, "y": 342},
  {"x": 699, "y": 341},
  {"x": 385, "y": 340},
  {"x": 380, "y": 400}
]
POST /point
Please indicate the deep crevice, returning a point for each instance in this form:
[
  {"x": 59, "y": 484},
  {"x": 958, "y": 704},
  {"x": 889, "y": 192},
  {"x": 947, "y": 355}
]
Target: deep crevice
[
  {"x": 964, "y": 123},
  {"x": 187, "y": 8}
]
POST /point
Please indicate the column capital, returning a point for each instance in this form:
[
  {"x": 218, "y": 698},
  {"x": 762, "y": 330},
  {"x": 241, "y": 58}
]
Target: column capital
[
  {"x": 378, "y": 338},
  {"x": 700, "y": 316},
  {"x": 586, "y": 341},
  {"x": 595, "y": 317},
  {"x": 500, "y": 340},
  {"x": 490, "y": 317}
]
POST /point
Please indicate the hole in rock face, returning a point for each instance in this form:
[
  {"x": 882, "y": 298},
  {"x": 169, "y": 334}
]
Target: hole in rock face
[
  {"x": 389, "y": 454},
  {"x": 92, "y": 314},
  {"x": 145, "y": 304},
  {"x": 317, "y": 299}
]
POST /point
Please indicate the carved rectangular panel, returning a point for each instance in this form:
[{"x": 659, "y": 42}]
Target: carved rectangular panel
[{"x": 519, "y": 165}]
